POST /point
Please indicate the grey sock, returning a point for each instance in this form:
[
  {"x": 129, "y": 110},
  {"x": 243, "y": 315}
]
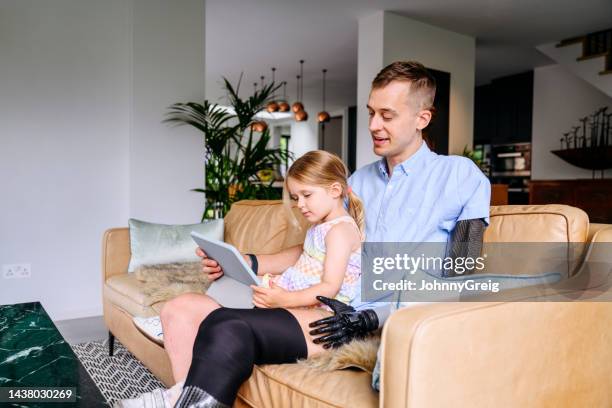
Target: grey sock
[{"x": 195, "y": 397}]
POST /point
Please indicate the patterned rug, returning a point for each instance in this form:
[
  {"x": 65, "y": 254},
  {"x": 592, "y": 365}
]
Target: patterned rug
[{"x": 118, "y": 377}]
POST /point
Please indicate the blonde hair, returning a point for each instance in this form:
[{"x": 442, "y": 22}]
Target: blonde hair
[{"x": 321, "y": 168}]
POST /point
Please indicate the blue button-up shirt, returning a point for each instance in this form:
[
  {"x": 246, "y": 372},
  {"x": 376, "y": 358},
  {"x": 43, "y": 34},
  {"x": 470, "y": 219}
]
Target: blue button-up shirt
[
  {"x": 423, "y": 198},
  {"x": 421, "y": 201}
]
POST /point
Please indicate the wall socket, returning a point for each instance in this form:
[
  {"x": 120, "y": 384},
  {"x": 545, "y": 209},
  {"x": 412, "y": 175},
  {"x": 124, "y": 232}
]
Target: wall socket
[{"x": 17, "y": 271}]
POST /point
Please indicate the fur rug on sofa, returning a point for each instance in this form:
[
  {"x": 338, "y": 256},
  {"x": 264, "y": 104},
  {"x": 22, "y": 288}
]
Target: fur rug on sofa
[
  {"x": 356, "y": 354},
  {"x": 165, "y": 281}
]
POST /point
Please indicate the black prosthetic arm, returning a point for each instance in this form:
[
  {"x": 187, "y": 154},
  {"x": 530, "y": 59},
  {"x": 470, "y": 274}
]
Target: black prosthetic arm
[{"x": 465, "y": 242}]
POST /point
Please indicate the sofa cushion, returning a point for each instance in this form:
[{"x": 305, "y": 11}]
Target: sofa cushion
[
  {"x": 262, "y": 227},
  {"x": 293, "y": 385},
  {"x": 128, "y": 293},
  {"x": 152, "y": 244}
]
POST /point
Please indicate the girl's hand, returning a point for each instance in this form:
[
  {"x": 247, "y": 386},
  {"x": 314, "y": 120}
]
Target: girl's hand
[
  {"x": 274, "y": 296},
  {"x": 210, "y": 267}
]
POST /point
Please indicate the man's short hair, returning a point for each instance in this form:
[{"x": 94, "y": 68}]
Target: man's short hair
[{"x": 422, "y": 82}]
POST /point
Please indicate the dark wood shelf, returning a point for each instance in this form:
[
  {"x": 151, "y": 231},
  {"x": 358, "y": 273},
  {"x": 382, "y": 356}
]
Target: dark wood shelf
[
  {"x": 592, "y": 196},
  {"x": 591, "y": 158}
]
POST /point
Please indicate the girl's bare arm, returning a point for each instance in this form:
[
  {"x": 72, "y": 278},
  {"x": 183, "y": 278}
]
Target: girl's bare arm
[{"x": 277, "y": 263}]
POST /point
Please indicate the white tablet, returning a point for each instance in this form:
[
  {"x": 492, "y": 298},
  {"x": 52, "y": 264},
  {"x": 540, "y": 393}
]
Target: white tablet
[{"x": 229, "y": 258}]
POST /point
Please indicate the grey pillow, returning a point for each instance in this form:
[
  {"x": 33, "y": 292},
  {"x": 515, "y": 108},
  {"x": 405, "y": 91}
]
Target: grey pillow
[{"x": 162, "y": 244}]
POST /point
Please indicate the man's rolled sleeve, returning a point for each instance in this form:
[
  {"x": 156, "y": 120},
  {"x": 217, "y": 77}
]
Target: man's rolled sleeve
[{"x": 474, "y": 192}]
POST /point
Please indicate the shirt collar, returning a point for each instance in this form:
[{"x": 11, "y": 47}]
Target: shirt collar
[{"x": 413, "y": 164}]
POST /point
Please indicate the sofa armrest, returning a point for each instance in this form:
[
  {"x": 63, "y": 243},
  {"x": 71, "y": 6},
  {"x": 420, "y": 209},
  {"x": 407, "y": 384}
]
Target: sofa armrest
[
  {"x": 398, "y": 337},
  {"x": 115, "y": 252},
  {"x": 599, "y": 246},
  {"x": 497, "y": 354},
  {"x": 594, "y": 228}
]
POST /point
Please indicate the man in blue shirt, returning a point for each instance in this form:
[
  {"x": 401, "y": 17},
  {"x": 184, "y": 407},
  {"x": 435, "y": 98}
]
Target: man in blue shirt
[{"x": 412, "y": 194}]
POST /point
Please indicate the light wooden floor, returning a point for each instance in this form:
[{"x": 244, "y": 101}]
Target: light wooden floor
[{"x": 81, "y": 330}]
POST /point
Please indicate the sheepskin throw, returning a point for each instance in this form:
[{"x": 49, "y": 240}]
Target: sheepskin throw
[
  {"x": 165, "y": 281},
  {"x": 357, "y": 354}
]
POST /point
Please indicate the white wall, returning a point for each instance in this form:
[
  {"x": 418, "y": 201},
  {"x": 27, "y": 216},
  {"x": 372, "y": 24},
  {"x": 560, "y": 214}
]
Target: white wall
[
  {"x": 406, "y": 39},
  {"x": 588, "y": 69},
  {"x": 559, "y": 100},
  {"x": 84, "y": 85},
  {"x": 168, "y": 67},
  {"x": 369, "y": 63},
  {"x": 304, "y": 136}
]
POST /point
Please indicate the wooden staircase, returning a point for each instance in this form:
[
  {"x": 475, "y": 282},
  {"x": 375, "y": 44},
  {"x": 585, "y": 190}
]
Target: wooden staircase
[{"x": 594, "y": 45}]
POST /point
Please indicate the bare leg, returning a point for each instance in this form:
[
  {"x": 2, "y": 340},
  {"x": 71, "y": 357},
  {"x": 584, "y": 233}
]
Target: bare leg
[
  {"x": 181, "y": 318},
  {"x": 305, "y": 317}
]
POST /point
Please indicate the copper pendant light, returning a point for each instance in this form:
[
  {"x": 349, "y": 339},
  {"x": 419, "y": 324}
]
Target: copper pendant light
[
  {"x": 323, "y": 116},
  {"x": 297, "y": 106},
  {"x": 301, "y": 115},
  {"x": 272, "y": 105},
  {"x": 283, "y": 106},
  {"x": 259, "y": 126}
]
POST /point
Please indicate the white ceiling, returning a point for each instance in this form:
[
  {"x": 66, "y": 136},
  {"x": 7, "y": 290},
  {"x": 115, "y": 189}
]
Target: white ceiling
[{"x": 250, "y": 36}]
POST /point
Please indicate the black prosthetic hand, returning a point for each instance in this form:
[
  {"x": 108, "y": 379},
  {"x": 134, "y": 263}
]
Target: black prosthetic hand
[{"x": 345, "y": 325}]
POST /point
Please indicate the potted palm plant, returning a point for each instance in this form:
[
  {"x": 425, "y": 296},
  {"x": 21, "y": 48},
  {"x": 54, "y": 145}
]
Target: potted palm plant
[{"x": 237, "y": 148}]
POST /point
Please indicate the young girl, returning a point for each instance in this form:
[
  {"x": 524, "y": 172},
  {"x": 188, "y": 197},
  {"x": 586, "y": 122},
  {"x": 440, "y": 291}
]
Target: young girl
[{"x": 329, "y": 263}]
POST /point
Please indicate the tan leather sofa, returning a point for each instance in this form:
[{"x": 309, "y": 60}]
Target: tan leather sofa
[{"x": 501, "y": 354}]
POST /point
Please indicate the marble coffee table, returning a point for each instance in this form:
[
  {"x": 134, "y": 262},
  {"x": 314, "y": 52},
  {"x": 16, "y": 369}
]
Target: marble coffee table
[{"x": 34, "y": 355}]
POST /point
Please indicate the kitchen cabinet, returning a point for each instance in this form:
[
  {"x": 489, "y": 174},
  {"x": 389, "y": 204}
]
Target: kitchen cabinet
[{"x": 503, "y": 110}]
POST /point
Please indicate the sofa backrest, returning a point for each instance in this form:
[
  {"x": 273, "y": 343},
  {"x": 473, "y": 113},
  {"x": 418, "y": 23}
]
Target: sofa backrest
[
  {"x": 263, "y": 226},
  {"x": 537, "y": 223},
  {"x": 523, "y": 234}
]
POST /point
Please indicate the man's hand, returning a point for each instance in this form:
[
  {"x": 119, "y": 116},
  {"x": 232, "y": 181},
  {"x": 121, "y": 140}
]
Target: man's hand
[
  {"x": 274, "y": 296},
  {"x": 345, "y": 325},
  {"x": 209, "y": 266}
]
